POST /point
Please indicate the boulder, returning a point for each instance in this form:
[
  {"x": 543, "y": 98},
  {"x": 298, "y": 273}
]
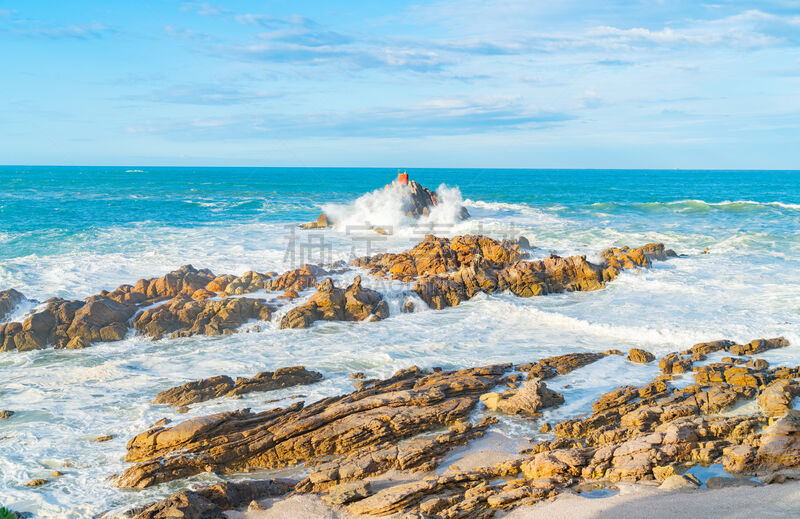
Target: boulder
[
  {"x": 321, "y": 222},
  {"x": 348, "y": 492},
  {"x": 222, "y": 385},
  {"x": 640, "y": 356},
  {"x": 356, "y": 303},
  {"x": 9, "y": 299},
  {"x": 679, "y": 482},
  {"x": 527, "y": 400},
  {"x": 184, "y": 317}
]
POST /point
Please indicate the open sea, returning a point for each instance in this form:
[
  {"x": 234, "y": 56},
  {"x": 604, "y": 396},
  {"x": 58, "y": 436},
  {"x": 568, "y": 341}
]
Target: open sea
[{"x": 73, "y": 231}]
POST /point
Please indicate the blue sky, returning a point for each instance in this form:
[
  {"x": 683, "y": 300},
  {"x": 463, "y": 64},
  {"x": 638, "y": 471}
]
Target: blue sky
[{"x": 450, "y": 83}]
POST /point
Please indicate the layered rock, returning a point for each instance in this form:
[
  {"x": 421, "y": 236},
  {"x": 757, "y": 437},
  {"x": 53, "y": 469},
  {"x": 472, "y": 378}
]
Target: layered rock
[
  {"x": 559, "y": 365},
  {"x": 9, "y": 299},
  {"x": 527, "y": 400},
  {"x": 406, "y": 404},
  {"x": 184, "y": 317},
  {"x": 356, "y": 303},
  {"x": 224, "y": 386},
  {"x": 210, "y": 502}
]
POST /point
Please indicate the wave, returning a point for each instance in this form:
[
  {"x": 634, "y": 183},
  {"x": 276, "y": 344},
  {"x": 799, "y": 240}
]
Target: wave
[
  {"x": 387, "y": 207},
  {"x": 698, "y": 205}
]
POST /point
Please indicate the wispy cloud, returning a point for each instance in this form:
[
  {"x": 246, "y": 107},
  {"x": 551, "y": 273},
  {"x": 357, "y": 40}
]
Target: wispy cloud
[
  {"x": 204, "y": 9},
  {"x": 91, "y": 31},
  {"x": 205, "y": 95},
  {"x": 438, "y": 117}
]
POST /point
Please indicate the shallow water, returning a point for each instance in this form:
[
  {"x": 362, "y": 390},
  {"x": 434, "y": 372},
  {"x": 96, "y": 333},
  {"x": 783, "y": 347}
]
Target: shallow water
[{"x": 71, "y": 232}]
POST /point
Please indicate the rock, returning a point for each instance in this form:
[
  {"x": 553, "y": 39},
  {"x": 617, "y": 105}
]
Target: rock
[
  {"x": 77, "y": 343},
  {"x": 779, "y": 447},
  {"x": 184, "y": 317},
  {"x": 56, "y": 474},
  {"x": 408, "y": 307},
  {"x": 348, "y": 492},
  {"x": 406, "y": 404},
  {"x": 219, "y": 386},
  {"x": 776, "y": 398},
  {"x": 210, "y": 502},
  {"x": 678, "y": 482},
  {"x": 248, "y": 282},
  {"x": 330, "y": 303},
  {"x": 321, "y": 222},
  {"x": 545, "y": 428},
  {"x": 640, "y": 356},
  {"x": 104, "y": 438},
  {"x": 219, "y": 283},
  {"x": 530, "y": 398},
  {"x": 297, "y": 280},
  {"x": 559, "y": 365},
  {"x": 357, "y": 375},
  {"x": 202, "y": 294},
  {"x": 35, "y": 483},
  {"x": 6, "y": 414},
  {"x": 726, "y": 482},
  {"x": 254, "y": 506},
  {"x": 9, "y": 300}
]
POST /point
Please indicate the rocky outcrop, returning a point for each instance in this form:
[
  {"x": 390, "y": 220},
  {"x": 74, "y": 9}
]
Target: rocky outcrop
[
  {"x": 247, "y": 282},
  {"x": 559, "y": 365},
  {"x": 297, "y": 280},
  {"x": 222, "y": 385},
  {"x": 210, "y": 502},
  {"x": 527, "y": 400},
  {"x": 402, "y": 406},
  {"x": 448, "y": 272},
  {"x": 184, "y": 317},
  {"x": 640, "y": 356},
  {"x": 184, "y": 281},
  {"x": 9, "y": 299},
  {"x": 330, "y": 303},
  {"x": 417, "y": 201}
]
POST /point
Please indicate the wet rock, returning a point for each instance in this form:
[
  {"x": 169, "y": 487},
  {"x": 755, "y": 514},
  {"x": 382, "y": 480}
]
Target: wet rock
[
  {"x": 6, "y": 414},
  {"x": 545, "y": 428},
  {"x": 184, "y": 317},
  {"x": 679, "y": 482},
  {"x": 9, "y": 300},
  {"x": 348, "y": 492},
  {"x": 406, "y": 404},
  {"x": 248, "y": 282},
  {"x": 56, "y": 474},
  {"x": 321, "y": 222},
  {"x": 222, "y": 385},
  {"x": 104, "y": 438},
  {"x": 220, "y": 283},
  {"x": 297, "y": 280},
  {"x": 210, "y": 502},
  {"x": 183, "y": 281},
  {"x": 330, "y": 303},
  {"x": 36, "y": 482},
  {"x": 559, "y": 365},
  {"x": 673, "y": 364},
  {"x": 202, "y": 294},
  {"x": 779, "y": 447},
  {"x": 527, "y": 400},
  {"x": 640, "y": 356}
]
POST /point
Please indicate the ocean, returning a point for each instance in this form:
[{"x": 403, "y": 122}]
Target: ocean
[{"x": 73, "y": 231}]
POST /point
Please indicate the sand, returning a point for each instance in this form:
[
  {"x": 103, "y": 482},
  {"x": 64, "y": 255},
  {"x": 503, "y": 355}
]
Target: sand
[{"x": 632, "y": 502}]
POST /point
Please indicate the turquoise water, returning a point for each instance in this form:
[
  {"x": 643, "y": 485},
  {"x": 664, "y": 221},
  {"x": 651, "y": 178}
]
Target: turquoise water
[{"x": 71, "y": 232}]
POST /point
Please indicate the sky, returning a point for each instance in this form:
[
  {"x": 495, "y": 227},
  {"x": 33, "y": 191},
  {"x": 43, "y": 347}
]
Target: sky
[{"x": 448, "y": 83}]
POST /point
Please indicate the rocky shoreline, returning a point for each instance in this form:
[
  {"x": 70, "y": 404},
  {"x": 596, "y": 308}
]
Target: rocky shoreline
[
  {"x": 189, "y": 301},
  {"x": 635, "y": 434}
]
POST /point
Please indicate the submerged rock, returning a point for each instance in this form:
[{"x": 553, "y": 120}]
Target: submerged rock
[
  {"x": 330, "y": 303},
  {"x": 9, "y": 300},
  {"x": 222, "y": 385}
]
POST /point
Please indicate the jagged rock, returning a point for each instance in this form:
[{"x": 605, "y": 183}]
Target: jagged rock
[
  {"x": 184, "y": 281},
  {"x": 673, "y": 364},
  {"x": 779, "y": 447},
  {"x": 776, "y": 398},
  {"x": 5, "y": 414},
  {"x": 36, "y": 482},
  {"x": 297, "y": 280},
  {"x": 530, "y": 398},
  {"x": 222, "y": 385},
  {"x": 184, "y": 317},
  {"x": 321, "y": 222},
  {"x": 248, "y": 282},
  {"x": 399, "y": 407},
  {"x": 640, "y": 356},
  {"x": 559, "y": 365},
  {"x": 330, "y": 303},
  {"x": 9, "y": 299},
  {"x": 210, "y": 502},
  {"x": 348, "y": 492},
  {"x": 419, "y": 454},
  {"x": 220, "y": 283},
  {"x": 254, "y": 506}
]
